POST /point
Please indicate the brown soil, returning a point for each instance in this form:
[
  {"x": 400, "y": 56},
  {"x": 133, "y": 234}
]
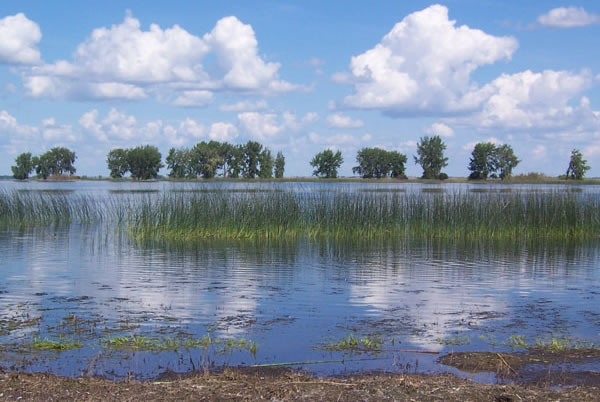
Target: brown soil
[
  {"x": 279, "y": 384},
  {"x": 541, "y": 366}
]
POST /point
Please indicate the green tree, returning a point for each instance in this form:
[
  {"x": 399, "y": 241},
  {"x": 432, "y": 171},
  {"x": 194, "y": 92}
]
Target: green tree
[
  {"x": 327, "y": 163},
  {"x": 63, "y": 159},
  {"x": 252, "y": 151},
  {"x": 266, "y": 164},
  {"x": 397, "y": 164},
  {"x": 483, "y": 161},
  {"x": 179, "y": 163},
  {"x": 279, "y": 165},
  {"x": 144, "y": 162},
  {"x": 235, "y": 161},
  {"x": 57, "y": 161},
  {"x": 430, "y": 153},
  {"x": 117, "y": 162},
  {"x": 372, "y": 162},
  {"x": 24, "y": 166},
  {"x": 505, "y": 161},
  {"x": 42, "y": 165},
  {"x": 577, "y": 166},
  {"x": 206, "y": 159}
]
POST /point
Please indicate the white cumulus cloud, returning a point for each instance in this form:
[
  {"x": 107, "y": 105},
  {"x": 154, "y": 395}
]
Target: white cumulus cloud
[
  {"x": 221, "y": 131},
  {"x": 339, "y": 120},
  {"x": 423, "y": 65},
  {"x": 126, "y": 62},
  {"x": 568, "y": 17},
  {"x": 440, "y": 129},
  {"x": 244, "y": 106},
  {"x": 530, "y": 100},
  {"x": 19, "y": 37}
]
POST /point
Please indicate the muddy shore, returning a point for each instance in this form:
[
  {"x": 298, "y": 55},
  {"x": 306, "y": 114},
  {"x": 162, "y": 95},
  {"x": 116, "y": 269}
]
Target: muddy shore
[{"x": 280, "y": 384}]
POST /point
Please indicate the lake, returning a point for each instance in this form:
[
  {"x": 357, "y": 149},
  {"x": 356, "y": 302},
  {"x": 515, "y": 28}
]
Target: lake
[{"x": 121, "y": 306}]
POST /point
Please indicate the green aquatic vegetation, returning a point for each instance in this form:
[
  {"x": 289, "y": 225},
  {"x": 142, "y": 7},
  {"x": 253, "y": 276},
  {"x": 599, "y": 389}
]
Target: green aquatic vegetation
[
  {"x": 517, "y": 341},
  {"x": 560, "y": 344},
  {"x": 456, "y": 341},
  {"x": 354, "y": 343},
  {"x": 148, "y": 344},
  {"x": 58, "y": 346},
  {"x": 334, "y": 215}
]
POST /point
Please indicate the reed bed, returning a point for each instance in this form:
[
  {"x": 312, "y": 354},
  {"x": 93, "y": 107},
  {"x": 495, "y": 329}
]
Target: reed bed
[
  {"x": 335, "y": 215},
  {"x": 361, "y": 216}
]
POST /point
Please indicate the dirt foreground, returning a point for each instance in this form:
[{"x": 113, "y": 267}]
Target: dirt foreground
[{"x": 247, "y": 384}]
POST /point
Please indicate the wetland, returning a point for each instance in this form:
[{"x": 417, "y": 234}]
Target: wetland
[{"x": 132, "y": 281}]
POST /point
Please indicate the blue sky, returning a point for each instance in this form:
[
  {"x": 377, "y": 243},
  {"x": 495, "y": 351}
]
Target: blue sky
[{"x": 301, "y": 77}]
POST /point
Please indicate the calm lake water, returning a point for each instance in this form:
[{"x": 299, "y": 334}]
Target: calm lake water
[{"x": 91, "y": 284}]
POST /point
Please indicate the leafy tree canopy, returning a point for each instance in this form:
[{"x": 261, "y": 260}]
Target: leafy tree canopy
[
  {"x": 577, "y": 166},
  {"x": 430, "y": 155},
  {"x": 489, "y": 160},
  {"x": 279, "y": 165},
  {"x": 144, "y": 162},
  {"x": 23, "y": 166},
  {"x": 117, "y": 162},
  {"x": 327, "y": 163},
  {"x": 378, "y": 163}
]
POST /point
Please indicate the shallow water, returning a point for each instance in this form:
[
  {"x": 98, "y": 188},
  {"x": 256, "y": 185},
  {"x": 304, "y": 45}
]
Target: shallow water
[{"x": 91, "y": 284}]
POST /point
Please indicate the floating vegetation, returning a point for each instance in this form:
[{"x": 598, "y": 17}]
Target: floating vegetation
[
  {"x": 148, "y": 344},
  {"x": 57, "y": 346},
  {"x": 517, "y": 341},
  {"x": 456, "y": 341},
  {"x": 353, "y": 343},
  {"x": 335, "y": 215}
]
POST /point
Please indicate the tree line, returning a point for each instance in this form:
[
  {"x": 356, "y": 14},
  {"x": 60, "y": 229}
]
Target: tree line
[
  {"x": 253, "y": 160},
  {"x": 488, "y": 160},
  {"x": 57, "y": 161},
  {"x": 205, "y": 159}
]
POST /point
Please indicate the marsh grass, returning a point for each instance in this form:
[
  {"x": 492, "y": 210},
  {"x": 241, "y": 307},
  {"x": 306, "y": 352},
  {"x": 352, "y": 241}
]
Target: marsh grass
[
  {"x": 342, "y": 215},
  {"x": 57, "y": 346},
  {"x": 354, "y": 343},
  {"x": 149, "y": 344},
  {"x": 455, "y": 341}
]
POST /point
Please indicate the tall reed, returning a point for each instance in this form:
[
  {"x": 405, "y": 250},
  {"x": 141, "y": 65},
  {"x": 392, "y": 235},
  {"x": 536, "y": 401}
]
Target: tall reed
[{"x": 333, "y": 215}]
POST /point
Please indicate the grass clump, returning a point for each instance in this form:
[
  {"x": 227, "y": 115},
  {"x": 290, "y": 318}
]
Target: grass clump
[
  {"x": 353, "y": 343},
  {"x": 57, "y": 346},
  {"x": 148, "y": 344},
  {"x": 456, "y": 341}
]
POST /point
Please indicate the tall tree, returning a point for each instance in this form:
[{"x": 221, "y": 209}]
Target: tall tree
[
  {"x": 279, "y": 165},
  {"x": 206, "y": 159},
  {"x": 483, "y": 161},
  {"x": 327, "y": 163},
  {"x": 117, "y": 162},
  {"x": 179, "y": 163},
  {"x": 235, "y": 162},
  {"x": 266, "y": 164},
  {"x": 23, "y": 166},
  {"x": 430, "y": 153},
  {"x": 577, "y": 166},
  {"x": 63, "y": 160},
  {"x": 505, "y": 161},
  {"x": 252, "y": 151},
  {"x": 144, "y": 162},
  {"x": 397, "y": 164}
]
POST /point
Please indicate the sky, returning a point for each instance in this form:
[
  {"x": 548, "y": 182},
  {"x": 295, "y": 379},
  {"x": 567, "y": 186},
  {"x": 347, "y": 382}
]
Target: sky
[{"x": 301, "y": 77}]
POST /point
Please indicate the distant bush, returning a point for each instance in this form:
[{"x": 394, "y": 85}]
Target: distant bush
[{"x": 443, "y": 176}]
